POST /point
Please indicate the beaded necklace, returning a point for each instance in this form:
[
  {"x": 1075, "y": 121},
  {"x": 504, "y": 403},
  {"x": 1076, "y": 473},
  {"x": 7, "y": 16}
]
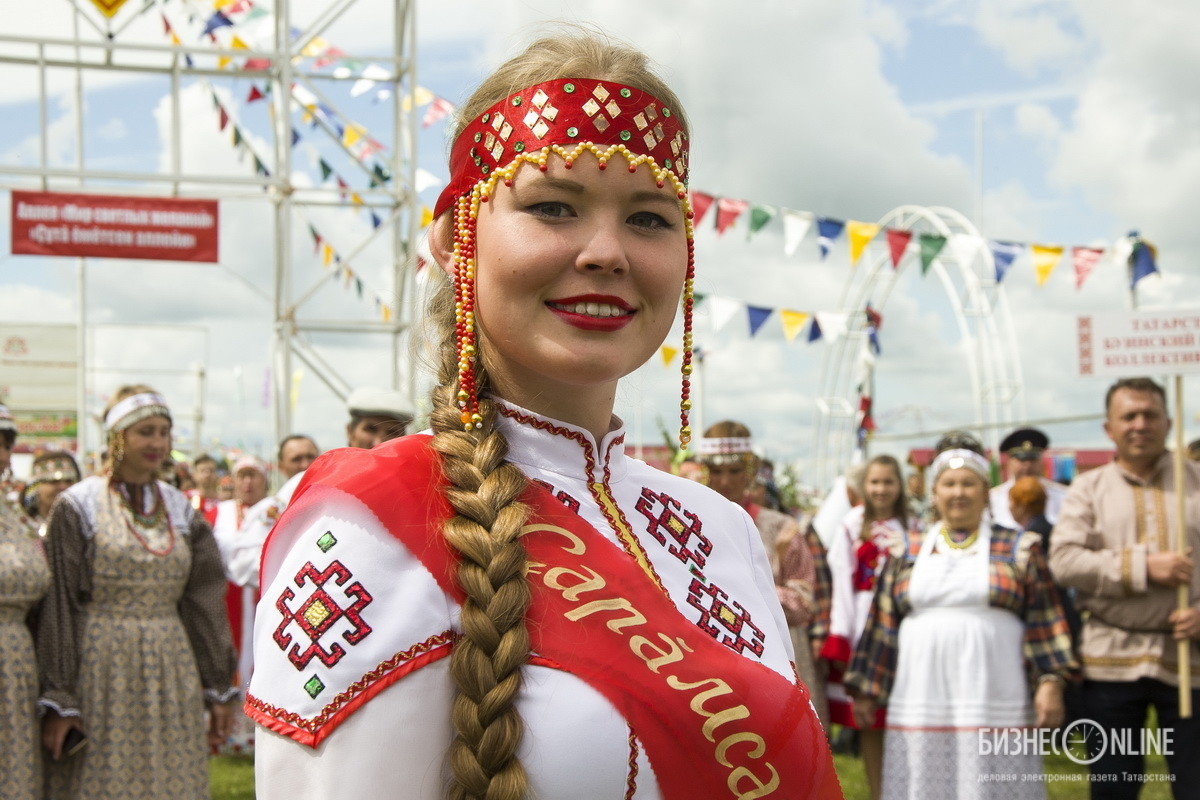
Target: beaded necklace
[
  {"x": 959, "y": 545},
  {"x": 152, "y": 521}
]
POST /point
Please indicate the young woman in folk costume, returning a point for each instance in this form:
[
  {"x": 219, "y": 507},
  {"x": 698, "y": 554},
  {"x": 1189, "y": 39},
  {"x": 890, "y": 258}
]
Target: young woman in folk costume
[
  {"x": 133, "y": 641},
  {"x": 856, "y": 557},
  {"x": 512, "y": 607}
]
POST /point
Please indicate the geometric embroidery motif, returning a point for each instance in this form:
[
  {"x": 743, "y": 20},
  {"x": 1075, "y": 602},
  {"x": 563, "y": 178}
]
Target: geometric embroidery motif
[
  {"x": 733, "y": 627},
  {"x": 317, "y": 614},
  {"x": 660, "y": 510}
]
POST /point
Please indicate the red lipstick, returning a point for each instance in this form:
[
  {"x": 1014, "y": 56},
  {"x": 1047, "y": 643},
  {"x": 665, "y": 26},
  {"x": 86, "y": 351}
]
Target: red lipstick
[{"x": 567, "y": 309}]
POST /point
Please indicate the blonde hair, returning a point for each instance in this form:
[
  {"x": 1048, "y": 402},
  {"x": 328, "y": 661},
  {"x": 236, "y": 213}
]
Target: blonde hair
[{"x": 483, "y": 488}]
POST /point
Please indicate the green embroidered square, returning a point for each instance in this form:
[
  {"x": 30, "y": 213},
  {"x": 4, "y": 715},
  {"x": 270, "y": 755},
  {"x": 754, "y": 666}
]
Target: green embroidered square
[{"x": 326, "y": 542}]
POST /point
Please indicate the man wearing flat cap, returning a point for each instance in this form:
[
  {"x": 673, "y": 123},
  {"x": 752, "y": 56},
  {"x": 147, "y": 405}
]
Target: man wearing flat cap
[
  {"x": 376, "y": 415},
  {"x": 1024, "y": 448}
]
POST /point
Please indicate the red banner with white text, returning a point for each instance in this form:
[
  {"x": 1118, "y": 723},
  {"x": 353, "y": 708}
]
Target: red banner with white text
[{"x": 114, "y": 226}]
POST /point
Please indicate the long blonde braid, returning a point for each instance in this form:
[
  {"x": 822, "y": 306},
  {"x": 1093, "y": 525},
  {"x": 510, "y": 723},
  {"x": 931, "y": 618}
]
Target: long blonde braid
[{"x": 483, "y": 488}]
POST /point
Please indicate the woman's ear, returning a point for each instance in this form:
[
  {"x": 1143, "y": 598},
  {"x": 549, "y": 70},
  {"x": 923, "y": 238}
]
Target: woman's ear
[{"x": 441, "y": 241}]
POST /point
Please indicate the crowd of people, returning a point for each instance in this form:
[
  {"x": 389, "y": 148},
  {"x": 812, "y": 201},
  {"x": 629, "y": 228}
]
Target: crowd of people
[{"x": 508, "y": 605}]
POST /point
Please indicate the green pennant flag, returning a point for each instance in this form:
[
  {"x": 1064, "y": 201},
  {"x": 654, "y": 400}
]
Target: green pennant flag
[
  {"x": 760, "y": 215},
  {"x": 316, "y": 236},
  {"x": 931, "y": 245},
  {"x": 382, "y": 173},
  {"x": 237, "y": 136},
  {"x": 697, "y": 299},
  {"x": 260, "y": 167},
  {"x": 358, "y": 286},
  {"x": 326, "y": 170}
]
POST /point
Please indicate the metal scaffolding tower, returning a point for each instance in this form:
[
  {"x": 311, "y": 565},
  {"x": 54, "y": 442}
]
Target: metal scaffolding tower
[{"x": 299, "y": 83}]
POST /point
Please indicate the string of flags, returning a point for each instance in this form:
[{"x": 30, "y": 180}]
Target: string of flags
[{"x": 1131, "y": 250}]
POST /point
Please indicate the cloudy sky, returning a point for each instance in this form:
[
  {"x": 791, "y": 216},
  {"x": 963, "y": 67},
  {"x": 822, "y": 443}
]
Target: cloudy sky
[{"x": 1090, "y": 122}]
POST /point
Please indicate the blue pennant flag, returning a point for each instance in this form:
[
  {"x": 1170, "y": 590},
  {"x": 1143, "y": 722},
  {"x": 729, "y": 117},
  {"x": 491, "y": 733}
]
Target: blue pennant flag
[
  {"x": 1142, "y": 259},
  {"x": 295, "y": 137},
  {"x": 1003, "y": 254},
  {"x": 375, "y": 220},
  {"x": 828, "y": 230},
  {"x": 757, "y": 315},
  {"x": 217, "y": 20},
  {"x": 814, "y": 330}
]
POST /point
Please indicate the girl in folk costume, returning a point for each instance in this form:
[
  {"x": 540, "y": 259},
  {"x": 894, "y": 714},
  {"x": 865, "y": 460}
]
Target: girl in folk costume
[
  {"x": 249, "y": 488},
  {"x": 964, "y": 619},
  {"x": 727, "y": 452},
  {"x": 513, "y": 607},
  {"x": 24, "y": 579},
  {"x": 132, "y": 640},
  {"x": 856, "y": 557}
]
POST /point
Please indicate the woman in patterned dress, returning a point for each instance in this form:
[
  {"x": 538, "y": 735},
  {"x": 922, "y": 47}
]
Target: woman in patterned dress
[
  {"x": 857, "y": 555},
  {"x": 964, "y": 618},
  {"x": 133, "y": 640},
  {"x": 24, "y": 579}
]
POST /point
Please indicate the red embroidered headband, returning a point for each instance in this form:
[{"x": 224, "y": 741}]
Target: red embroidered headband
[{"x": 567, "y": 115}]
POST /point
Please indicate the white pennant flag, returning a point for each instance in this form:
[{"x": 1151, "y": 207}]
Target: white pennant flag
[
  {"x": 964, "y": 246},
  {"x": 1120, "y": 252},
  {"x": 795, "y": 228},
  {"x": 832, "y": 324},
  {"x": 722, "y": 310},
  {"x": 427, "y": 180},
  {"x": 371, "y": 74}
]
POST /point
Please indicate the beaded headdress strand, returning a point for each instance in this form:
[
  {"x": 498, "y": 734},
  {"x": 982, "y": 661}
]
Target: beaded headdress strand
[{"x": 565, "y": 117}]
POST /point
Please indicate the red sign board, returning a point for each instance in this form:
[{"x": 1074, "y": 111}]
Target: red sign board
[{"x": 114, "y": 226}]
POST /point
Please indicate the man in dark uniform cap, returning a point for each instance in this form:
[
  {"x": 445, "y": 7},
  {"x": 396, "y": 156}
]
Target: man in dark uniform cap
[
  {"x": 376, "y": 415},
  {"x": 1024, "y": 448}
]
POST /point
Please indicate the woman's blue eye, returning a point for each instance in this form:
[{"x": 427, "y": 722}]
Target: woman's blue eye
[{"x": 648, "y": 219}]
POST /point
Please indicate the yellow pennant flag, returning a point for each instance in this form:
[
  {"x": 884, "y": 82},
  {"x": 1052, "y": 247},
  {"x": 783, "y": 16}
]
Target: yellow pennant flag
[
  {"x": 108, "y": 7},
  {"x": 238, "y": 44},
  {"x": 351, "y": 136},
  {"x": 328, "y": 253},
  {"x": 387, "y": 312},
  {"x": 668, "y": 354},
  {"x": 315, "y": 46},
  {"x": 223, "y": 62},
  {"x": 1045, "y": 259},
  {"x": 426, "y": 216},
  {"x": 793, "y": 321},
  {"x": 419, "y": 97},
  {"x": 356, "y": 200},
  {"x": 297, "y": 377},
  {"x": 860, "y": 234}
]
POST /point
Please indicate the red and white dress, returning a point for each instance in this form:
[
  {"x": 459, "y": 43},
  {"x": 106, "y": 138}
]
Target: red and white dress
[
  {"x": 855, "y": 563},
  {"x": 240, "y": 601},
  {"x": 352, "y": 690}
]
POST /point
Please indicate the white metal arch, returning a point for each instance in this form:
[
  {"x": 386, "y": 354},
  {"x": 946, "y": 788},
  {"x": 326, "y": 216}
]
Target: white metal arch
[{"x": 966, "y": 271}]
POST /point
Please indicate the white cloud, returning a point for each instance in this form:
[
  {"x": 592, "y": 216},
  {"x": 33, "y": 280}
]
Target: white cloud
[{"x": 1032, "y": 34}]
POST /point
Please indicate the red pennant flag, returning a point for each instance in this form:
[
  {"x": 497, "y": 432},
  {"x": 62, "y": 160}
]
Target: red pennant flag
[
  {"x": 729, "y": 210},
  {"x": 897, "y": 244},
  {"x": 166, "y": 25},
  {"x": 1085, "y": 260},
  {"x": 438, "y": 109},
  {"x": 224, "y": 118},
  {"x": 330, "y": 55},
  {"x": 255, "y": 94},
  {"x": 700, "y": 204},
  {"x": 343, "y": 186},
  {"x": 257, "y": 64}
]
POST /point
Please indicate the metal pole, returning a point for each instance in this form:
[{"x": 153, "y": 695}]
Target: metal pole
[
  {"x": 197, "y": 438},
  {"x": 980, "y": 115},
  {"x": 80, "y": 271},
  {"x": 1184, "y": 645}
]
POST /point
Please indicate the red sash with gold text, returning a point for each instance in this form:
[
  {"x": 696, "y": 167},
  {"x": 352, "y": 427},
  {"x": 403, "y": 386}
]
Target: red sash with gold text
[{"x": 714, "y": 724}]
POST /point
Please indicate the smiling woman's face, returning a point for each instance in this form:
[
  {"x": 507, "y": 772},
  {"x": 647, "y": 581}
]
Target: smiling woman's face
[
  {"x": 579, "y": 275},
  {"x": 961, "y": 497}
]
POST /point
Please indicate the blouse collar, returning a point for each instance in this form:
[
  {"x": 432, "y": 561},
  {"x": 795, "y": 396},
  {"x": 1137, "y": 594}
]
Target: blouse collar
[{"x": 552, "y": 446}]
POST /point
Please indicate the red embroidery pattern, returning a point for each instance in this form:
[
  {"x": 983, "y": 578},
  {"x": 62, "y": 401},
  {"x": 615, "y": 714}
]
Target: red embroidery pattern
[
  {"x": 660, "y": 509},
  {"x": 631, "y": 780},
  {"x": 559, "y": 495},
  {"x": 619, "y": 525},
  {"x": 317, "y": 614},
  {"x": 733, "y": 619},
  {"x": 442, "y": 639}
]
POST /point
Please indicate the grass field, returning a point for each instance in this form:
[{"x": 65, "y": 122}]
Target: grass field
[{"x": 233, "y": 779}]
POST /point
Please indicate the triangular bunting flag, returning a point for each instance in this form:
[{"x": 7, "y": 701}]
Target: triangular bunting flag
[
  {"x": 860, "y": 233},
  {"x": 439, "y": 108},
  {"x": 795, "y": 228},
  {"x": 217, "y": 20},
  {"x": 295, "y": 137},
  {"x": 1003, "y": 255},
  {"x": 931, "y": 244},
  {"x": 237, "y": 44},
  {"x": 722, "y": 309},
  {"x": 964, "y": 247},
  {"x": 897, "y": 243},
  {"x": 1045, "y": 259},
  {"x": 255, "y": 94},
  {"x": 756, "y": 316},
  {"x": 224, "y": 118},
  {"x": 387, "y": 313},
  {"x": 793, "y": 322},
  {"x": 326, "y": 170},
  {"x": 327, "y": 255},
  {"x": 760, "y": 215},
  {"x": 700, "y": 204},
  {"x": 1143, "y": 259},
  {"x": 237, "y": 136},
  {"x": 832, "y": 325},
  {"x": 729, "y": 210},
  {"x": 828, "y": 230},
  {"x": 426, "y": 216},
  {"x": 1084, "y": 260},
  {"x": 375, "y": 220},
  {"x": 668, "y": 354},
  {"x": 814, "y": 331}
]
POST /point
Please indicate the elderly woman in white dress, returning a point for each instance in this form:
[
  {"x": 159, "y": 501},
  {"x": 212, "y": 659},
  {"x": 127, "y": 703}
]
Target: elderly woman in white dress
[{"x": 965, "y": 632}]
